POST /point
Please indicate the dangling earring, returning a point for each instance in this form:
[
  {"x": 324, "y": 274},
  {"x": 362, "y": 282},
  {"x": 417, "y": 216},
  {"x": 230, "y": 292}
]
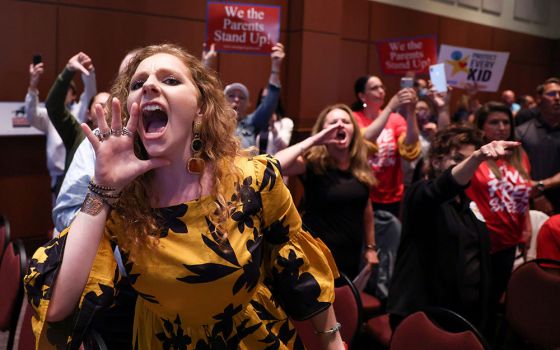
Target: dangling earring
[
  {"x": 364, "y": 105},
  {"x": 195, "y": 165}
]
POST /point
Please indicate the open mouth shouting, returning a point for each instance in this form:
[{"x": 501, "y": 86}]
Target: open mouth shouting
[
  {"x": 341, "y": 135},
  {"x": 154, "y": 119}
]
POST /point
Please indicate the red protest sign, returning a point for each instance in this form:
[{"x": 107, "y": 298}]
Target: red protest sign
[
  {"x": 402, "y": 55},
  {"x": 243, "y": 28}
]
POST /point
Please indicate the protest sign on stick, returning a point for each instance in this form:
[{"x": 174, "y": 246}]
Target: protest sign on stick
[
  {"x": 465, "y": 66},
  {"x": 242, "y": 28}
]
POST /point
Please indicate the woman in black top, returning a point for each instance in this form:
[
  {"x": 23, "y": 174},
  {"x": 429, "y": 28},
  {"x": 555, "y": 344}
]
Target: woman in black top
[
  {"x": 332, "y": 164},
  {"x": 443, "y": 256}
]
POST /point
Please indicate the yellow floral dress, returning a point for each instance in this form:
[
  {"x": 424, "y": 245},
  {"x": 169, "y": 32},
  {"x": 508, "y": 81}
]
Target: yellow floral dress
[{"x": 197, "y": 291}]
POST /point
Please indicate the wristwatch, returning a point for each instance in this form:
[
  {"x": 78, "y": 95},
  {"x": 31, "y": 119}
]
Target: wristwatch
[{"x": 540, "y": 186}]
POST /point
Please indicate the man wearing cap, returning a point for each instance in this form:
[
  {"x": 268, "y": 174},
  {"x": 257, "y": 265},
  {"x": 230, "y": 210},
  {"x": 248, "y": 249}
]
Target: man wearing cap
[{"x": 237, "y": 95}]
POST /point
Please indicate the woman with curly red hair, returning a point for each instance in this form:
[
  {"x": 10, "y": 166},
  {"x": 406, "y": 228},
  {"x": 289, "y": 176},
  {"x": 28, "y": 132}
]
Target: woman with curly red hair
[{"x": 210, "y": 238}]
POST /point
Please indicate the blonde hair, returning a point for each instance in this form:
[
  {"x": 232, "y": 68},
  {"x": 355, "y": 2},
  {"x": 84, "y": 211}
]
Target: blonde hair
[
  {"x": 141, "y": 222},
  {"x": 320, "y": 159}
]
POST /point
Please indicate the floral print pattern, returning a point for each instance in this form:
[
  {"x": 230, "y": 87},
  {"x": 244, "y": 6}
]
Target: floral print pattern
[{"x": 201, "y": 288}]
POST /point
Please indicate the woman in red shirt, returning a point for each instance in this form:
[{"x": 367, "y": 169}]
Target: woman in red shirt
[
  {"x": 396, "y": 137},
  {"x": 501, "y": 188}
]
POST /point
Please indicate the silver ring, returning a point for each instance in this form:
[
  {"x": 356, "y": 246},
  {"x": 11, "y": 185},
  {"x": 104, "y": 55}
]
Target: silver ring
[
  {"x": 99, "y": 135},
  {"x": 116, "y": 132},
  {"x": 126, "y": 132}
]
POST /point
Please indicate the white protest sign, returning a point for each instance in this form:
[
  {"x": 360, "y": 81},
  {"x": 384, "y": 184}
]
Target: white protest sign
[{"x": 464, "y": 66}]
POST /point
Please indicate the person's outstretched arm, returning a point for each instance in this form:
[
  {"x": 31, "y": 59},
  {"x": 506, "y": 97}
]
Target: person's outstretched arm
[
  {"x": 259, "y": 118},
  {"x": 464, "y": 171},
  {"x": 36, "y": 116},
  {"x": 291, "y": 158},
  {"x": 90, "y": 90},
  {"x": 65, "y": 124}
]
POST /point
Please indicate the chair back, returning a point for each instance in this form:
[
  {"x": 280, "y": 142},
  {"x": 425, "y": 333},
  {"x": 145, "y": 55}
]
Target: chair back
[
  {"x": 538, "y": 218},
  {"x": 347, "y": 308},
  {"x": 4, "y": 234},
  {"x": 26, "y": 337},
  {"x": 420, "y": 331},
  {"x": 94, "y": 341},
  {"x": 532, "y": 302},
  {"x": 12, "y": 267}
]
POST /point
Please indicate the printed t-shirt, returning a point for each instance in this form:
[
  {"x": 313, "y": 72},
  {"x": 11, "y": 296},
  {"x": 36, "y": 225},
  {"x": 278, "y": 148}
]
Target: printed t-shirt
[
  {"x": 504, "y": 202},
  {"x": 386, "y": 163}
]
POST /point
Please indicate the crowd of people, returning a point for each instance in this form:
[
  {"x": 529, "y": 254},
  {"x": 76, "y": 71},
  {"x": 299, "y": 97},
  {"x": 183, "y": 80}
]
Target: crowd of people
[{"x": 172, "y": 215}]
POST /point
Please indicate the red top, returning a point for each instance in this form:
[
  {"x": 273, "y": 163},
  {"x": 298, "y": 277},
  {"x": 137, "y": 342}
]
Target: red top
[
  {"x": 548, "y": 240},
  {"x": 386, "y": 163},
  {"x": 504, "y": 202}
]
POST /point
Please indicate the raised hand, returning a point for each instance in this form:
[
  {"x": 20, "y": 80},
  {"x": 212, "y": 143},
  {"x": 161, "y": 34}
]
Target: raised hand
[
  {"x": 497, "y": 149},
  {"x": 35, "y": 71},
  {"x": 116, "y": 165},
  {"x": 327, "y": 135},
  {"x": 277, "y": 56},
  {"x": 440, "y": 99},
  {"x": 403, "y": 97},
  {"x": 80, "y": 62},
  {"x": 208, "y": 55}
]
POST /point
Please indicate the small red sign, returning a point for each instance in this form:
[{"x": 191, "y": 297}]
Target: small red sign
[
  {"x": 243, "y": 28},
  {"x": 403, "y": 55}
]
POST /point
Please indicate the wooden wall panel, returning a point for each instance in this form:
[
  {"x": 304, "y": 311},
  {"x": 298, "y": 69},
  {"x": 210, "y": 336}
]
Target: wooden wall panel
[
  {"x": 323, "y": 16},
  {"x": 26, "y": 29},
  {"x": 393, "y": 22},
  {"x": 353, "y": 63},
  {"x": 355, "y": 20},
  {"x": 523, "y": 48},
  {"x": 191, "y": 9},
  {"x": 25, "y": 185},
  {"x": 107, "y": 44},
  {"x": 292, "y": 86},
  {"x": 460, "y": 33},
  {"x": 320, "y": 72}
]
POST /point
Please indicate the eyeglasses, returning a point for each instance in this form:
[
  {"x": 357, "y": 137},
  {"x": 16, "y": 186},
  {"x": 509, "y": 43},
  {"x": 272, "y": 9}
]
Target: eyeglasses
[{"x": 553, "y": 93}]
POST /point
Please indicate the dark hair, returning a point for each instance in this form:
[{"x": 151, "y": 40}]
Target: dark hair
[
  {"x": 552, "y": 80},
  {"x": 449, "y": 139},
  {"x": 431, "y": 107},
  {"x": 516, "y": 158},
  {"x": 280, "y": 111},
  {"x": 492, "y": 107},
  {"x": 523, "y": 100},
  {"x": 360, "y": 88}
]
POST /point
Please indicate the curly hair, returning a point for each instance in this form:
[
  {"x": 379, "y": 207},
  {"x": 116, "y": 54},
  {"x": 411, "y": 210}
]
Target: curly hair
[
  {"x": 450, "y": 139},
  {"x": 516, "y": 157},
  {"x": 320, "y": 160},
  {"x": 142, "y": 223}
]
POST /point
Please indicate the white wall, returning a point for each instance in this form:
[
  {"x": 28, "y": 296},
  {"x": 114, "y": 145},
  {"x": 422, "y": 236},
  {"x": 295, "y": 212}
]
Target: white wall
[{"x": 542, "y": 16}]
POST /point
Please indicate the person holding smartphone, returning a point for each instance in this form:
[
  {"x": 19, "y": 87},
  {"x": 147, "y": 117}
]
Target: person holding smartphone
[
  {"x": 395, "y": 136},
  {"x": 39, "y": 118}
]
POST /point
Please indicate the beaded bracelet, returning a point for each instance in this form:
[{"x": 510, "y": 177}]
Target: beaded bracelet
[
  {"x": 109, "y": 195},
  {"x": 332, "y": 330}
]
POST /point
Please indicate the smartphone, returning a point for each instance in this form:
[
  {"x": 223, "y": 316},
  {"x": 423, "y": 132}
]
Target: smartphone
[
  {"x": 437, "y": 76},
  {"x": 407, "y": 82},
  {"x": 37, "y": 59}
]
